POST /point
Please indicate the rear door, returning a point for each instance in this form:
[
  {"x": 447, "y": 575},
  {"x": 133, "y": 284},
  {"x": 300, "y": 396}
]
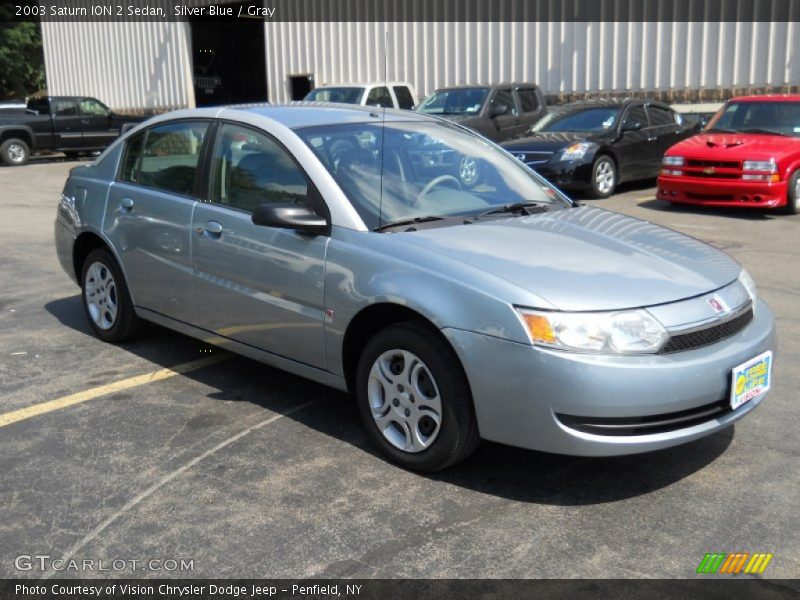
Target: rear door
[
  {"x": 149, "y": 215},
  {"x": 261, "y": 286},
  {"x": 67, "y": 125},
  {"x": 98, "y": 128}
]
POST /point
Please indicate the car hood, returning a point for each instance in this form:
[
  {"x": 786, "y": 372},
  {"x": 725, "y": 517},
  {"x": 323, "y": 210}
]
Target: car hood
[
  {"x": 548, "y": 141},
  {"x": 735, "y": 146},
  {"x": 585, "y": 258}
]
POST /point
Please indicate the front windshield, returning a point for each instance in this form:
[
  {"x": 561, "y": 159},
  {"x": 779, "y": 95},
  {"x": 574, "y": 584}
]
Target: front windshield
[
  {"x": 782, "y": 118},
  {"x": 587, "y": 119},
  {"x": 465, "y": 101},
  {"x": 402, "y": 170},
  {"x": 342, "y": 95}
]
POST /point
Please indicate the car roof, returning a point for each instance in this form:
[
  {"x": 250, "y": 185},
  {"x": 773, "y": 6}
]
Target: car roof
[
  {"x": 361, "y": 84},
  {"x": 767, "y": 98},
  {"x": 490, "y": 86}
]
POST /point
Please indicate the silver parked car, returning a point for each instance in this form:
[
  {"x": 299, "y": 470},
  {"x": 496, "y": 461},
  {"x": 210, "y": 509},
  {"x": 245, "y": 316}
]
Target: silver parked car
[{"x": 401, "y": 257}]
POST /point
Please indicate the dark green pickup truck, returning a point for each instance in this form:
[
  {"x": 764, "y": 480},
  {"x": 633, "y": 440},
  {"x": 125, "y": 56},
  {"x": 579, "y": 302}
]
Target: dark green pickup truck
[{"x": 68, "y": 124}]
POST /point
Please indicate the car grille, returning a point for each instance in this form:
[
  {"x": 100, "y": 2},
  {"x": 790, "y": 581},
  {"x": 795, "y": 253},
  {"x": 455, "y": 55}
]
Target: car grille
[
  {"x": 713, "y": 169},
  {"x": 717, "y": 164},
  {"x": 712, "y": 334},
  {"x": 533, "y": 158},
  {"x": 625, "y": 426}
]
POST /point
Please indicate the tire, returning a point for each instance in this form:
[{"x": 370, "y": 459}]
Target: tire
[
  {"x": 603, "y": 178},
  {"x": 15, "y": 152},
  {"x": 106, "y": 301},
  {"x": 793, "y": 195},
  {"x": 421, "y": 373}
]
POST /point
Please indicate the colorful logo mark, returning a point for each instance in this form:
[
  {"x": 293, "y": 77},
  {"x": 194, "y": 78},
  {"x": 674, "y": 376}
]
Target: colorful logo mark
[{"x": 734, "y": 563}]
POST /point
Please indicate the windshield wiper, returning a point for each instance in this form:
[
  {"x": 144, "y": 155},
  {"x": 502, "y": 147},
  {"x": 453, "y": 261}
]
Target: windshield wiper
[
  {"x": 522, "y": 207},
  {"x": 413, "y": 221},
  {"x": 760, "y": 130}
]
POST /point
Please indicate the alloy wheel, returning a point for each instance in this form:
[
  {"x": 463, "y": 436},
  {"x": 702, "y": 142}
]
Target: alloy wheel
[
  {"x": 604, "y": 177},
  {"x": 16, "y": 153},
  {"x": 404, "y": 400},
  {"x": 101, "y": 295}
]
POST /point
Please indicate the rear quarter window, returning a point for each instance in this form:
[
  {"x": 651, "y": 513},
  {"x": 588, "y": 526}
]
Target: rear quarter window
[
  {"x": 404, "y": 98},
  {"x": 130, "y": 159}
]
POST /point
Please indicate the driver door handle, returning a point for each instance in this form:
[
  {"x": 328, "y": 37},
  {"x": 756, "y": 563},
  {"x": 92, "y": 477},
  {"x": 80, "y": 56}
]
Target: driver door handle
[
  {"x": 212, "y": 228},
  {"x": 126, "y": 203}
]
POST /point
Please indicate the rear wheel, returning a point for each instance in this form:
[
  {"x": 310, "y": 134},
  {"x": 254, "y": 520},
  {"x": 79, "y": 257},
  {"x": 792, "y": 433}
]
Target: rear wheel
[
  {"x": 414, "y": 398},
  {"x": 14, "y": 152},
  {"x": 604, "y": 177},
  {"x": 793, "y": 195},
  {"x": 106, "y": 300}
]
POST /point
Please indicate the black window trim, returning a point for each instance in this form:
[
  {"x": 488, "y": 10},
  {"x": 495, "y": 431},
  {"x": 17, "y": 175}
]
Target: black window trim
[
  {"x": 199, "y": 174},
  {"x": 315, "y": 199}
]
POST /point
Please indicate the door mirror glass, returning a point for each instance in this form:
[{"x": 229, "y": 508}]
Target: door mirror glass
[{"x": 289, "y": 216}]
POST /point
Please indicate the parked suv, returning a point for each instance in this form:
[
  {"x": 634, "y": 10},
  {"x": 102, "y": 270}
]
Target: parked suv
[
  {"x": 748, "y": 156},
  {"x": 393, "y": 94},
  {"x": 68, "y": 124},
  {"x": 499, "y": 112}
]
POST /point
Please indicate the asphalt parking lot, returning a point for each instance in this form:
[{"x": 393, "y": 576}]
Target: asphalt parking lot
[{"x": 251, "y": 472}]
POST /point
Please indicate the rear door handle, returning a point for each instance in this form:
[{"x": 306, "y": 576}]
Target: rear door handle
[
  {"x": 211, "y": 227},
  {"x": 126, "y": 203}
]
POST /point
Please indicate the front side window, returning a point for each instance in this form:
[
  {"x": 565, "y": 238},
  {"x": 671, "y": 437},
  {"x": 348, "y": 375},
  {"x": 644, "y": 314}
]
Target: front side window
[
  {"x": 251, "y": 169},
  {"x": 92, "y": 107},
  {"x": 505, "y": 98},
  {"x": 637, "y": 115},
  {"x": 462, "y": 101},
  {"x": 401, "y": 170},
  {"x": 379, "y": 96},
  {"x": 171, "y": 155},
  {"x": 660, "y": 117}
]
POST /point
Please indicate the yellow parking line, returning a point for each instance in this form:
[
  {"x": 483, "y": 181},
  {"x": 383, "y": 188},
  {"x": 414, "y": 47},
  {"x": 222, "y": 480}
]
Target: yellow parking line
[{"x": 65, "y": 401}]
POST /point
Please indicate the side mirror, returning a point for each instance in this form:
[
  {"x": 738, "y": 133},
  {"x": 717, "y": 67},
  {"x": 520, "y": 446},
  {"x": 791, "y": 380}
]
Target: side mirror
[
  {"x": 631, "y": 126},
  {"x": 289, "y": 216},
  {"x": 499, "y": 109}
]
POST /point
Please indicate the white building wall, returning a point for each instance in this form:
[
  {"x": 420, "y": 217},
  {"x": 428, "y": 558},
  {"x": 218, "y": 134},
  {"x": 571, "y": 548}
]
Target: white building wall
[
  {"x": 129, "y": 66},
  {"x": 562, "y": 57}
]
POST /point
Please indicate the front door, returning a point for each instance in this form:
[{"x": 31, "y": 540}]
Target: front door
[
  {"x": 67, "y": 126},
  {"x": 261, "y": 286},
  {"x": 149, "y": 215},
  {"x": 99, "y": 130},
  {"x": 635, "y": 148}
]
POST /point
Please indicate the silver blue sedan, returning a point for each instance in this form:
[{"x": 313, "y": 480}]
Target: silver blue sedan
[{"x": 453, "y": 291}]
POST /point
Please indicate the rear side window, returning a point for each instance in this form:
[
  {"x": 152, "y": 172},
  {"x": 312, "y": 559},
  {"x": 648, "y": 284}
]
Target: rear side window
[
  {"x": 66, "y": 108},
  {"x": 404, "y": 98},
  {"x": 133, "y": 151},
  {"x": 528, "y": 100},
  {"x": 40, "y": 105},
  {"x": 251, "y": 169},
  {"x": 379, "y": 96},
  {"x": 171, "y": 154},
  {"x": 660, "y": 116}
]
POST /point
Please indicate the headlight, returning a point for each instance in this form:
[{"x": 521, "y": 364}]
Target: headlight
[
  {"x": 621, "y": 332},
  {"x": 749, "y": 285},
  {"x": 768, "y": 166},
  {"x": 575, "y": 151},
  {"x": 672, "y": 161}
]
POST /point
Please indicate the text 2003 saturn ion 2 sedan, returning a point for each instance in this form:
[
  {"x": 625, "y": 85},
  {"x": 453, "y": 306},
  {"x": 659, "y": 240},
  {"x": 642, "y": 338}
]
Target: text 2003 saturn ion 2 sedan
[{"x": 410, "y": 261}]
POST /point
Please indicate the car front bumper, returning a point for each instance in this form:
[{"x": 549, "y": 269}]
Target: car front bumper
[
  {"x": 722, "y": 192},
  {"x": 519, "y": 391},
  {"x": 566, "y": 174}
]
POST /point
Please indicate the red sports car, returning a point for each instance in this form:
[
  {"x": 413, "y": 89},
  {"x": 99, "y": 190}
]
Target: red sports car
[{"x": 748, "y": 155}]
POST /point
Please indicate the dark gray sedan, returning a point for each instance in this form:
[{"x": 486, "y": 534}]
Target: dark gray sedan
[{"x": 417, "y": 265}]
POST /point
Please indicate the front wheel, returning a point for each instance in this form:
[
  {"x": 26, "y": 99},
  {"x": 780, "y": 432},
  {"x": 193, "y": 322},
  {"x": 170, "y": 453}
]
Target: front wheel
[
  {"x": 14, "y": 152},
  {"x": 414, "y": 399},
  {"x": 604, "y": 177},
  {"x": 793, "y": 195},
  {"x": 106, "y": 300}
]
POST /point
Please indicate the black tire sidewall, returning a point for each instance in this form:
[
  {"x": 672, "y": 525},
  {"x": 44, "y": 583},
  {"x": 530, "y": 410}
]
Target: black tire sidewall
[
  {"x": 4, "y": 152},
  {"x": 593, "y": 183},
  {"x": 124, "y": 326},
  {"x": 792, "y": 199},
  {"x": 458, "y": 420}
]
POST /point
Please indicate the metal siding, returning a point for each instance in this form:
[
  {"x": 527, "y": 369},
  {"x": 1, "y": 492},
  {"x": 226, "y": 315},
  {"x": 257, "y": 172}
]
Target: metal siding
[
  {"x": 129, "y": 66},
  {"x": 562, "y": 57}
]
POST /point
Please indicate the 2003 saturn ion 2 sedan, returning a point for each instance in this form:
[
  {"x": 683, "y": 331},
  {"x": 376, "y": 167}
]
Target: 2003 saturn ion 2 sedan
[{"x": 454, "y": 292}]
